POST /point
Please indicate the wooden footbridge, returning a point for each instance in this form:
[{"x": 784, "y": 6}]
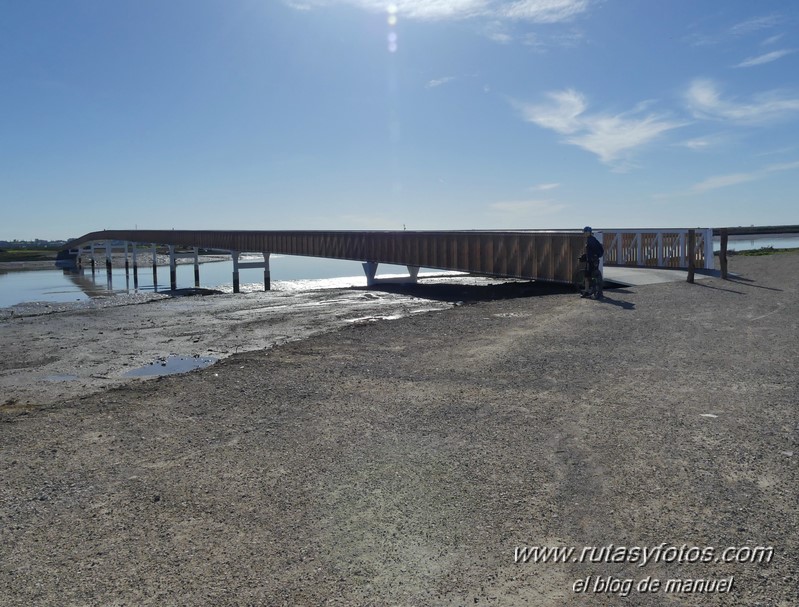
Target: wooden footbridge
[{"x": 531, "y": 255}]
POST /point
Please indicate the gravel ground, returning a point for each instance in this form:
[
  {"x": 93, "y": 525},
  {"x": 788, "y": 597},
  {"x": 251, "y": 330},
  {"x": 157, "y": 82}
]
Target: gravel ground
[{"x": 404, "y": 462}]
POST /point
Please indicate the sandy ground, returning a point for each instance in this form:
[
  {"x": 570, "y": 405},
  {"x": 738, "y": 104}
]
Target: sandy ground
[
  {"x": 62, "y": 351},
  {"x": 406, "y": 462}
]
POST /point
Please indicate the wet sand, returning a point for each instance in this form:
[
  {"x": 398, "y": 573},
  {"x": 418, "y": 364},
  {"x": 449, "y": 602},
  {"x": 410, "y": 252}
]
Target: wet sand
[
  {"x": 402, "y": 462},
  {"x": 67, "y": 350}
]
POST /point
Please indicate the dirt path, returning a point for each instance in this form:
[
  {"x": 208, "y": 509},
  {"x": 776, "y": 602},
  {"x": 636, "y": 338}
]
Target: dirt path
[{"x": 403, "y": 463}]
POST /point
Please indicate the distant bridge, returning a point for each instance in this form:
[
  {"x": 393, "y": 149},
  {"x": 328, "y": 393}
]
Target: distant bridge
[{"x": 530, "y": 255}]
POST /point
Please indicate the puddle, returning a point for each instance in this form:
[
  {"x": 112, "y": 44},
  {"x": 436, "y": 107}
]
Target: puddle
[
  {"x": 61, "y": 377},
  {"x": 168, "y": 365}
]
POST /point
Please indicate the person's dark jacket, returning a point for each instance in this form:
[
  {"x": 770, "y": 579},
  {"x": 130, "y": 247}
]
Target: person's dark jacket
[{"x": 593, "y": 248}]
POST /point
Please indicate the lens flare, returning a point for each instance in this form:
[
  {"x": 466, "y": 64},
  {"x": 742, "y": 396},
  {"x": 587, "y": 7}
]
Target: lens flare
[{"x": 391, "y": 9}]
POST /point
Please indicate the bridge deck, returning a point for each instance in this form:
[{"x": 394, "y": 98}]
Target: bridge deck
[{"x": 549, "y": 256}]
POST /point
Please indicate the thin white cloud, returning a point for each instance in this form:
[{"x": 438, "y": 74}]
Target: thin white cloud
[
  {"x": 705, "y": 101},
  {"x": 778, "y": 151},
  {"x": 772, "y": 40},
  {"x": 543, "y": 187},
  {"x": 298, "y": 5},
  {"x": 534, "y": 11},
  {"x": 542, "y": 43},
  {"x": 428, "y": 9},
  {"x": 723, "y": 181},
  {"x": 544, "y": 11},
  {"x": 744, "y": 28},
  {"x": 705, "y": 143},
  {"x": 501, "y": 37},
  {"x": 562, "y": 116},
  {"x": 439, "y": 81},
  {"x": 611, "y": 137},
  {"x": 570, "y": 39},
  {"x": 765, "y": 58},
  {"x": 783, "y": 166},
  {"x": 700, "y": 143},
  {"x": 497, "y": 31},
  {"x": 755, "y": 24}
]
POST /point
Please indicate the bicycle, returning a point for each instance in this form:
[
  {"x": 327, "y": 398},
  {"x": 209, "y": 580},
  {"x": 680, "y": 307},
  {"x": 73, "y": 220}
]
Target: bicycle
[{"x": 589, "y": 283}]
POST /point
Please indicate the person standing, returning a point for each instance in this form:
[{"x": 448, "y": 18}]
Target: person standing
[{"x": 593, "y": 253}]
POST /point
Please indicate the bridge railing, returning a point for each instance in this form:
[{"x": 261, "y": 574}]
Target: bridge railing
[
  {"x": 544, "y": 255},
  {"x": 666, "y": 248}
]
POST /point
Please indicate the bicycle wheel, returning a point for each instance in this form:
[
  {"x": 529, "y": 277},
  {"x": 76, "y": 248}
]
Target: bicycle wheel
[
  {"x": 597, "y": 284},
  {"x": 578, "y": 279}
]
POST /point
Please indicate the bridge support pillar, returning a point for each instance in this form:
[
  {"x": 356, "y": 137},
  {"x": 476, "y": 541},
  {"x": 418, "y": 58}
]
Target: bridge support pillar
[
  {"x": 370, "y": 269},
  {"x": 173, "y": 274},
  {"x": 108, "y": 266},
  {"x": 235, "y": 255},
  {"x": 196, "y": 268},
  {"x": 243, "y": 265},
  {"x": 155, "y": 269},
  {"x": 127, "y": 263},
  {"x": 135, "y": 268}
]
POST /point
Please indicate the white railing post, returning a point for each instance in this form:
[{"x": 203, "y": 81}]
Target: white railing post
[
  {"x": 683, "y": 245},
  {"x": 638, "y": 249},
  {"x": 709, "y": 261},
  {"x": 600, "y": 237}
]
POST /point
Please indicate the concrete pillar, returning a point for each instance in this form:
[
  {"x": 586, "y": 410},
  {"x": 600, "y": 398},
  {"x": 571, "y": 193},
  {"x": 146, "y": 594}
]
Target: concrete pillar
[
  {"x": 108, "y": 255},
  {"x": 235, "y": 255},
  {"x": 370, "y": 269},
  {"x": 413, "y": 271},
  {"x": 155, "y": 268},
  {"x": 127, "y": 265},
  {"x": 135, "y": 268},
  {"x": 267, "y": 273},
  {"x": 173, "y": 278},
  {"x": 196, "y": 268}
]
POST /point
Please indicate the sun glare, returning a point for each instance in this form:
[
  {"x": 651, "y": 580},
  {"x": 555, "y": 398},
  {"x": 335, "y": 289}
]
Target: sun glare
[{"x": 391, "y": 9}]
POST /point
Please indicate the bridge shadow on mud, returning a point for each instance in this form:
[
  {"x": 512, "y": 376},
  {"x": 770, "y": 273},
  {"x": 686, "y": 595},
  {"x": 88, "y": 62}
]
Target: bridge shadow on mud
[{"x": 465, "y": 293}]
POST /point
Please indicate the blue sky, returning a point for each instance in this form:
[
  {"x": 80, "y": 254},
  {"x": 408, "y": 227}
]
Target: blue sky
[{"x": 366, "y": 114}]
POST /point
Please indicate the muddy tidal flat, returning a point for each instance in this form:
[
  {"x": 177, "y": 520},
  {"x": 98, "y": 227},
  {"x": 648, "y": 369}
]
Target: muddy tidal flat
[{"x": 359, "y": 447}]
